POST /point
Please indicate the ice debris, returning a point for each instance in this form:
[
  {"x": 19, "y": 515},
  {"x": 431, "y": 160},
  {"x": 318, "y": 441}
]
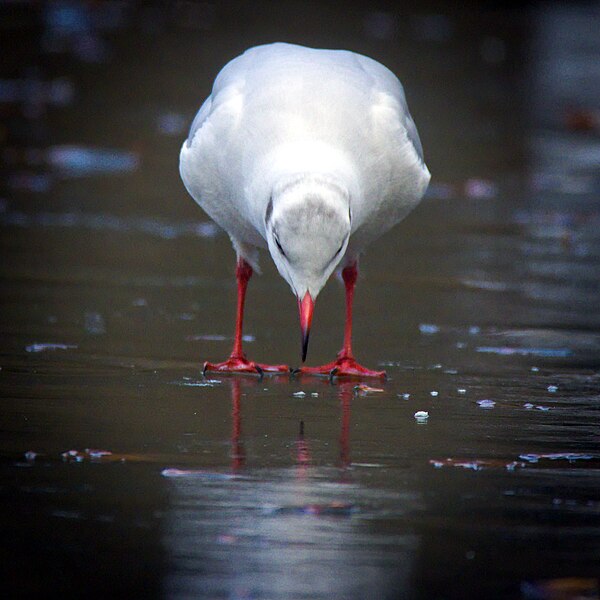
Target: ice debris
[
  {"x": 428, "y": 328},
  {"x": 530, "y": 406},
  {"x": 198, "y": 474},
  {"x": 363, "y": 389},
  {"x": 568, "y": 456},
  {"x": 486, "y": 403},
  {"x": 88, "y": 454},
  {"x": 477, "y": 464},
  {"x": 203, "y": 383}
]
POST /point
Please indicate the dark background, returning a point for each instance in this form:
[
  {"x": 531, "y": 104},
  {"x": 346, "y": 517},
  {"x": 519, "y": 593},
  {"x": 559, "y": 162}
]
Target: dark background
[{"x": 114, "y": 288}]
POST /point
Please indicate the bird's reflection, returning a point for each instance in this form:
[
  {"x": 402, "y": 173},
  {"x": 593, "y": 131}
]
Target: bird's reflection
[
  {"x": 345, "y": 392},
  {"x": 281, "y": 532}
]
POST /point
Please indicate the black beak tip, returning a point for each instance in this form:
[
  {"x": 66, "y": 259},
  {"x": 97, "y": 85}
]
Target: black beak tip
[{"x": 305, "y": 337}]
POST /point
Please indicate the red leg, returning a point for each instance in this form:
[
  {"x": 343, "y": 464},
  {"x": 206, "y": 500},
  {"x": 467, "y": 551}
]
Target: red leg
[
  {"x": 345, "y": 364},
  {"x": 237, "y": 361}
]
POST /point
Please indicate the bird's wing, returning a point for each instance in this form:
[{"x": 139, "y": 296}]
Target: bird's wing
[
  {"x": 208, "y": 153},
  {"x": 385, "y": 83},
  {"x": 199, "y": 119},
  {"x": 393, "y": 169}
]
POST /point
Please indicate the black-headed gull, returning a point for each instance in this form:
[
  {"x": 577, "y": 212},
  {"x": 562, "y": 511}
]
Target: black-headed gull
[{"x": 312, "y": 154}]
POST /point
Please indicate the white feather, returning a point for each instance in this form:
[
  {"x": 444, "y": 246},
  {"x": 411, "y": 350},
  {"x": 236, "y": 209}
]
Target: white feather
[{"x": 281, "y": 113}]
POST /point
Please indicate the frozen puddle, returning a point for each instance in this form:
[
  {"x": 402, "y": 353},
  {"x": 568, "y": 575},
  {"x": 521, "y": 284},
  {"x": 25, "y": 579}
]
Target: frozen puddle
[
  {"x": 199, "y": 474},
  {"x": 152, "y": 226},
  {"x": 37, "y": 347},
  {"x": 513, "y": 351}
]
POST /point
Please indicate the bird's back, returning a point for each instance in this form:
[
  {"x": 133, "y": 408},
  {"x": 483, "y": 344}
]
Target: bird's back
[{"x": 283, "y": 107}]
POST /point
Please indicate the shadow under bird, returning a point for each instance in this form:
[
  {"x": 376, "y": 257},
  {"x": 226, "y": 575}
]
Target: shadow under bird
[{"x": 312, "y": 154}]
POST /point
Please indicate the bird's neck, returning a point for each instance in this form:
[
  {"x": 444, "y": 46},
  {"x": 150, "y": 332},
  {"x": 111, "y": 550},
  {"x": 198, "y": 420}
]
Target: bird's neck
[
  {"x": 304, "y": 167},
  {"x": 306, "y": 185},
  {"x": 311, "y": 162}
]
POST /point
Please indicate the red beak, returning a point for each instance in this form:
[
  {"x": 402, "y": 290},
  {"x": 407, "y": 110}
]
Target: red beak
[{"x": 306, "y": 306}]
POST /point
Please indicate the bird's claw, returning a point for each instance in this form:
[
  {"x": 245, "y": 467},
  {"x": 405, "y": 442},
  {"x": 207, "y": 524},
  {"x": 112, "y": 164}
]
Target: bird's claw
[
  {"x": 343, "y": 366},
  {"x": 241, "y": 365}
]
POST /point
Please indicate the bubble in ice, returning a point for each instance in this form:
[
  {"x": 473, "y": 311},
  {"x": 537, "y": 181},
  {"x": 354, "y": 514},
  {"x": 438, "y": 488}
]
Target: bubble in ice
[{"x": 94, "y": 323}]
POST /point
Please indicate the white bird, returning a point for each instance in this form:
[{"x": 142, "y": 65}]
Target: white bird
[{"x": 312, "y": 154}]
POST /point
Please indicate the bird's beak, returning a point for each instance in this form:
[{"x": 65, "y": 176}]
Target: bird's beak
[{"x": 306, "y": 306}]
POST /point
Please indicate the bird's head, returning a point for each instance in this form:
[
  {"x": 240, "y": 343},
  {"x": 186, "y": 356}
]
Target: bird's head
[{"x": 308, "y": 225}]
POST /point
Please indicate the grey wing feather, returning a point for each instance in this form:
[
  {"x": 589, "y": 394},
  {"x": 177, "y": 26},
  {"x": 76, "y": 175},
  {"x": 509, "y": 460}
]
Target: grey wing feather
[
  {"x": 413, "y": 135},
  {"x": 386, "y": 81},
  {"x": 199, "y": 120}
]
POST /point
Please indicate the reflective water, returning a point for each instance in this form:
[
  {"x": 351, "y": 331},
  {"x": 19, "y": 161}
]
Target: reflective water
[{"x": 125, "y": 473}]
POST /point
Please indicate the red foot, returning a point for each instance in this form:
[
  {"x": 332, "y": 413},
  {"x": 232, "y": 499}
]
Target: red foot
[
  {"x": 343, "y": 366},
  {"x": 240, "y": 364}
]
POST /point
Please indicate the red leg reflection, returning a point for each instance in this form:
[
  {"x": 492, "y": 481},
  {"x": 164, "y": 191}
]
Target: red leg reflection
[
  {"x": 238, "y": 454},
  {"x": 346, "y": 391},
  {"x": 303, "y": 457}
]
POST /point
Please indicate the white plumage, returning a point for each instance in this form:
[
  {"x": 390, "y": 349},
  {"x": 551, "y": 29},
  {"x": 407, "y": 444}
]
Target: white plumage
[{"x": 311, "y": 153}]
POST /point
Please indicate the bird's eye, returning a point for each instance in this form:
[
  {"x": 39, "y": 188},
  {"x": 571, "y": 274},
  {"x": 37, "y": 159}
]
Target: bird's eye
[{"x": 279, "y": 246}]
